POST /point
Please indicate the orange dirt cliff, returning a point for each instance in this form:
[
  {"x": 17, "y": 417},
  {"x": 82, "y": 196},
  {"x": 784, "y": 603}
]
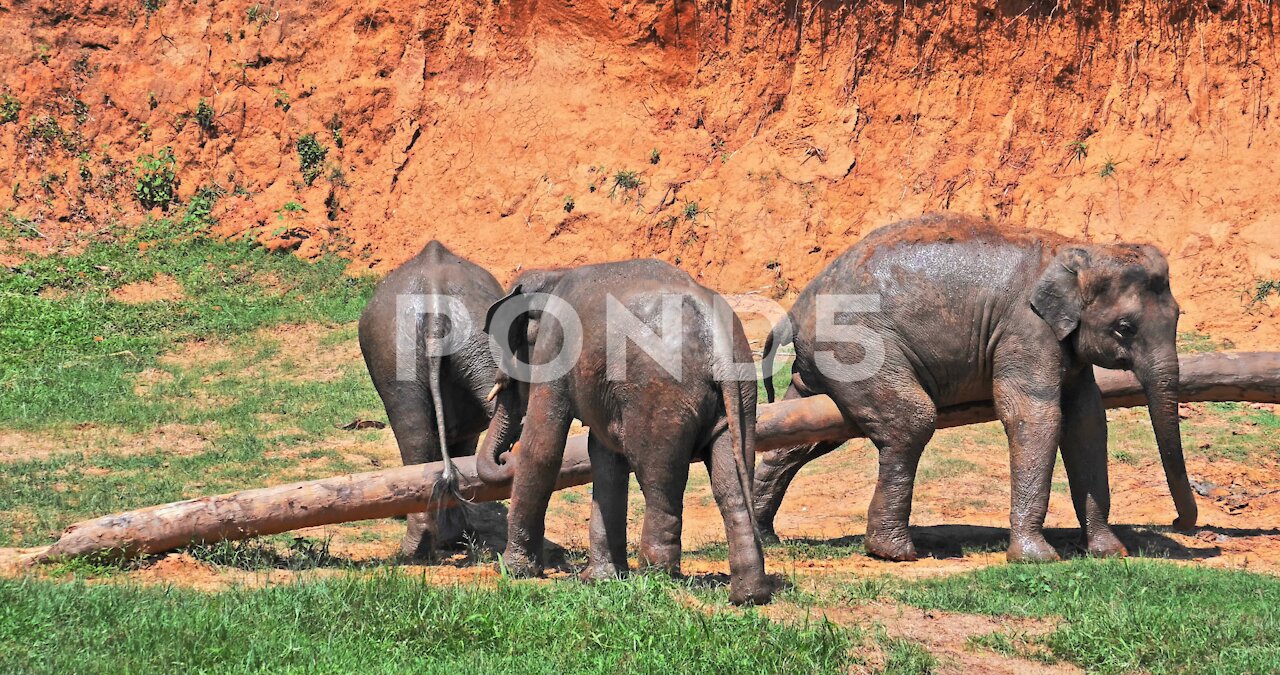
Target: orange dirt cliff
[{"x": 748, "y": 142}]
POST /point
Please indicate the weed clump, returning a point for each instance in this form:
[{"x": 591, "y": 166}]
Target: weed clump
[
  {"x": 157, "y": 180},
  {"x": 626, "y": 181},
  {"x": 10, "y": 106},
  {"x": 311, "y": 156},
  {"x": 204, "y": 115}
]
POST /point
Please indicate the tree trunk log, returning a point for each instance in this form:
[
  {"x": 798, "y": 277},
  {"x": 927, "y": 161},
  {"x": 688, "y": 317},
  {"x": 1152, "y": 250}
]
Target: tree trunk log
[{"x": 390, "y": 492}]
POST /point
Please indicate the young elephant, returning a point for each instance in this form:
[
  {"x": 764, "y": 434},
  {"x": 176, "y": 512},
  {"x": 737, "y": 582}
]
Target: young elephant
[
  {"x": 648, "y": 414},
  {"x": 438, "y": 409},
  {"x": 966, "y": 313}
]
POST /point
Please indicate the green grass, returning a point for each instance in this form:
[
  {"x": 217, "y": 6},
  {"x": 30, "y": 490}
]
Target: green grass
[
  {"x": 41, "y": 496},
  {"x": 781, "y": 381},
  {"x": 1124, "y": 615},
  {"x": 391, "y": 622},
  {"x": 904, "y": 657},
  {"x": 1192, "y": 342},
  {"x": 72, "y": 359},
  {"x": 75, "y": 356}
]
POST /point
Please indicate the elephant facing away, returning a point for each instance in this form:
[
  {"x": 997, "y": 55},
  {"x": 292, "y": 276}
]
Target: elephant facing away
[
  {"x": 944, "y": 310},
  {"x": 438, "y": 408},
  {"x": 643, "y": 415}
]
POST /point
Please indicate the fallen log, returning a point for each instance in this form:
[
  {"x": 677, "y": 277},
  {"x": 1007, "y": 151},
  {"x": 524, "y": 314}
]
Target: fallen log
[{"x": 389, "y": 492}]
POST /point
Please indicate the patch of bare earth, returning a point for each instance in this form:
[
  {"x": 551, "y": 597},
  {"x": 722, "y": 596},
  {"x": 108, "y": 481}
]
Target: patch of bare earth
[
  {"x": 945, "y": 635},
  {"x": 159, "y": 289},
  {"x": 301, "y": 356},
  {"x": 181, "y": 439}
]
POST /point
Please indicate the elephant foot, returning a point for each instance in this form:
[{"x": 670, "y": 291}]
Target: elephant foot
[
  {"x": 520, "y": 564},
  {"x": 417, "y": 546},
  {"x": 1104, "y": 544},
  {"x": 768, "y": 535},
  {"x": 754, "y": 592},
  {"x": 602, "y": 572},
  {"x": 1031, "y": 548},
  {"x": 896, "y": 547}
]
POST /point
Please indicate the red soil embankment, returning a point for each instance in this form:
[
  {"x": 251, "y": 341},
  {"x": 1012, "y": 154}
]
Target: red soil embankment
[{"x": 788, "y": 128}]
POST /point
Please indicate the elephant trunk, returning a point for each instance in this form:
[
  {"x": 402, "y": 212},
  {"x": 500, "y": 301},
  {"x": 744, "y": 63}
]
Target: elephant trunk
[
  {"x": 1159, "y": 378},
  {"x": 494, "y": 462}
]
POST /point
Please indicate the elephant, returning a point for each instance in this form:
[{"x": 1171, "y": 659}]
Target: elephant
[
  {"x": 945, "y": 310},
  {"x": 642, "y": 418},
  {"x": 438, "y": 409}
]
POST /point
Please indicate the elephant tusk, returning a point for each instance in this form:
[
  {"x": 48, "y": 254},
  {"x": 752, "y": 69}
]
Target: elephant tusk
[{"x": 493, "y": 393}]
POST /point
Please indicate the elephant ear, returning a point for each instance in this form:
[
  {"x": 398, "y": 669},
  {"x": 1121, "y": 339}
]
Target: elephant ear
[
  {"x": 493, "y": 309},
  {"x": 1056, "y": 297}
]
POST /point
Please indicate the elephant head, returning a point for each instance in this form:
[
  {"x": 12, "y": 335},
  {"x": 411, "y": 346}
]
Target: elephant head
[
  {"x": 513, "y": 349},
  {"x": 1112, "y": 305}
]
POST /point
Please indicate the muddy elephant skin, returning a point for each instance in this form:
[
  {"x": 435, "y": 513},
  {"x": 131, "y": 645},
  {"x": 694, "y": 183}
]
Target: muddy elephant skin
[
  {"x": 439, "y": 409},
  {"x": 950, "y": 310},
  {"x": 646, "y": 419}
]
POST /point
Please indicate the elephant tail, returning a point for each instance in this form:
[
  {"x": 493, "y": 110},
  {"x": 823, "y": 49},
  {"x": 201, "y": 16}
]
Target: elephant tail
[
  {"x": 780, "y": 335},
  {"x": 736, "y": 380},
  {"x": 448, "y": 482}
]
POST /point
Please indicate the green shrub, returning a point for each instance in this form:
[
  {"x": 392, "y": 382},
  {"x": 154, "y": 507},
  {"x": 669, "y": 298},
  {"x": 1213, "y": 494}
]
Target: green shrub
[
  {"x": 44, "y": 128},
  {"x": 311, "y": 156},
  {"x": 157, "y": 182},
  {"x": 204, "y": 115},
  {"x": 200, "y": 208},
  {"x": 10, "y": 106},
  {"x": 626, "y": 181}
]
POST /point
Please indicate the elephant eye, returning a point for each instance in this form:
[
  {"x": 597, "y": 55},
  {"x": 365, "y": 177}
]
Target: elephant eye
[{"x": 1124, "y": 329}]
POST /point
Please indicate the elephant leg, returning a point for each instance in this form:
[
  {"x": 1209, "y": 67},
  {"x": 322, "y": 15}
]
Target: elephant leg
[
  {"x": 1084, "y": 455},
  {"x": 537, "y": 467},
  {"x": 1032, "y": 418},
  {"x": 747, "y": 580},
  {"x": 663, "y": 473},
  {"x": 777, "y": 468},
  {"x": 900, "y": 418},
  {"x": 773, "y": 475},
  {"x": 409, "y": 411},
  {"x": 607, "y": 558}
]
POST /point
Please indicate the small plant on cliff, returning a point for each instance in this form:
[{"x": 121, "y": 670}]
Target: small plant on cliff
[
  {"x": 204, "y": 115},
  {"x": 311, "y": 156},
  {"x": 44, "y": 128},
  {"x": 691, "y": 210},
  {"x": 1108, "y": 169},
  {"x": 568, "y": 204},
  {"x": 655, "y": 156},
  {"x": 626, "y": 180},
  {"x": 256, "y": 14},
  {"x": 290, "y": 210},
  {"x": 152, "y": 5},
  {"x": 335, "y": 126},
  {"x": 157, "y": 182},
  {"x": 1079, "y": 150},
  {"x": 200, "y": 208},
  {"x": 80, "y": 110},
  {"x": 282, "y": 99},
  {"x": 1263, "y": 290},
  {"x": 10, "y": 106}
]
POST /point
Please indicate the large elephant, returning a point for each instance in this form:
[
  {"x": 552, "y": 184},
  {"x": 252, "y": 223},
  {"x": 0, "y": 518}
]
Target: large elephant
[
  {"x": 643, "y": 415},
  {"x": 948, "y": 310},
  {"x": 434, "y": 391}
]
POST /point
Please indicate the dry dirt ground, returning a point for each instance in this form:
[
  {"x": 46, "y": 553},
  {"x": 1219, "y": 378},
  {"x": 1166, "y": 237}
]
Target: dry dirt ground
[{"x": 959, "y": 518}]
